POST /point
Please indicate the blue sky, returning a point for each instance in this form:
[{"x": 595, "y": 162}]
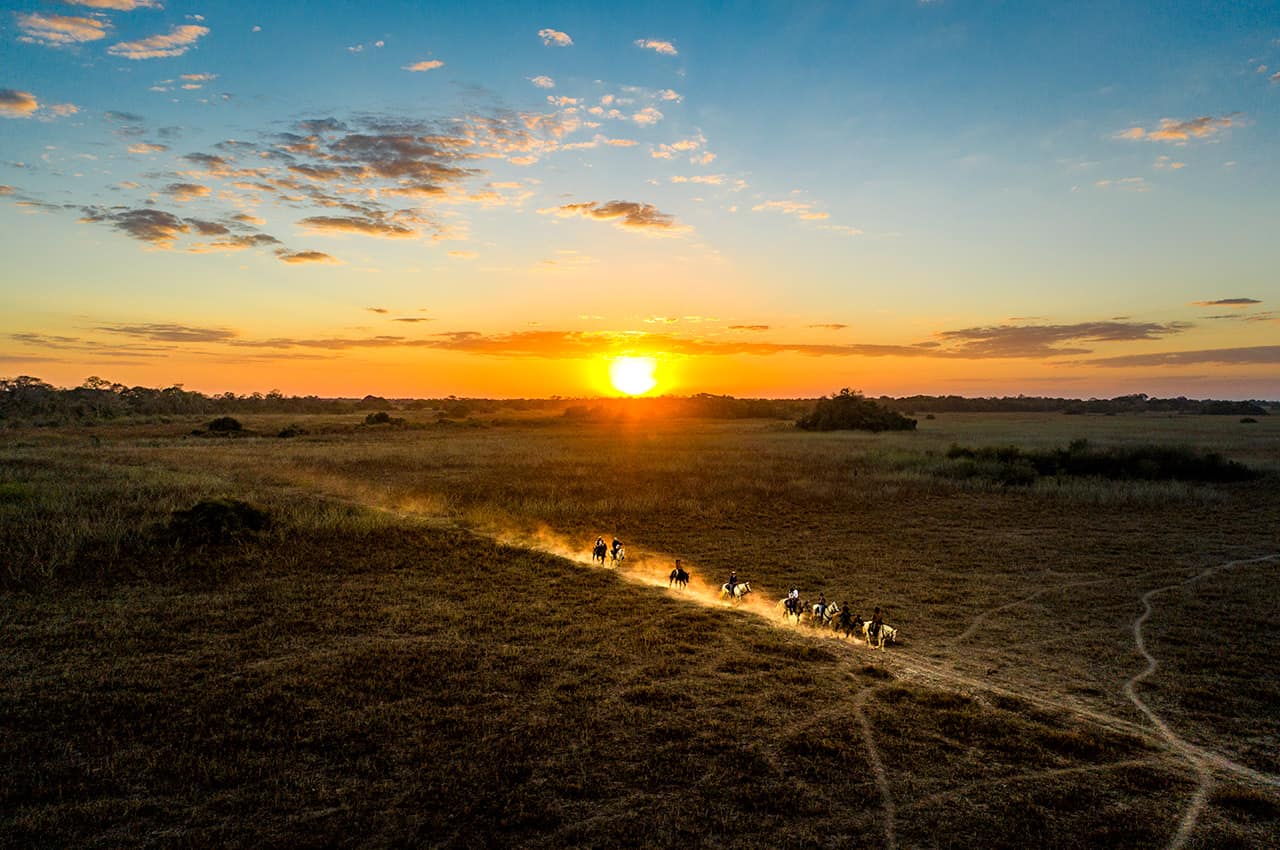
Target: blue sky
[{"x": 769, "y": 198}]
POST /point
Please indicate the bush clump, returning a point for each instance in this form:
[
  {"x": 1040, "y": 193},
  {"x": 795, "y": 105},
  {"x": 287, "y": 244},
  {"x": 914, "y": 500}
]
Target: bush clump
[
  {"x": 1010, "y": 465},
  {"x": 382, "y": 418},
  {"x": 851, "y": 411},
  {"x": 217, "y": 522},
  {"x": 225, "y": 424}
]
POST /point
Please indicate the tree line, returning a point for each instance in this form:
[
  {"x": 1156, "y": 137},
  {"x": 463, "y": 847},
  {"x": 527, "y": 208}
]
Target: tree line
[{"x": 29, "y": 400}]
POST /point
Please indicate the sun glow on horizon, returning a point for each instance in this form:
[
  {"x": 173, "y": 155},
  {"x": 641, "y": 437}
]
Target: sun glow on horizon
[{"x": 633, "y": 375}]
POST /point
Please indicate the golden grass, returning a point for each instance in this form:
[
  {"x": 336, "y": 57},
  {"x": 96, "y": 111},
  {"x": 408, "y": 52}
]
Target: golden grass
[{"x": 375, "y": 666}]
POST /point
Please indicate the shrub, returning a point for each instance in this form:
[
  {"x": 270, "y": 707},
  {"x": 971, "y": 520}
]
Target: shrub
[
  {"x": 218, "y": 521},
  {"x": 851, "y": 411},
  {"x": 225, "y": 424},
  {"x": 1248, "y": 420},
  {"x": 379, "y": 418},
  {"x": 292, "y": 431}
]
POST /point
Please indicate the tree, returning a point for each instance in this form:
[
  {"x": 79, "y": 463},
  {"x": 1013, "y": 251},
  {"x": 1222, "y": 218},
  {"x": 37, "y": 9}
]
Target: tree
[{"x": 851, "y": 411}]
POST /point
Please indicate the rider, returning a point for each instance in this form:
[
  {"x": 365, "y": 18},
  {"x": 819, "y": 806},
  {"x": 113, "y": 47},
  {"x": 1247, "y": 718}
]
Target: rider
[
  {"x": 732, "y": 583},
  {"x": 617, "y": 547},
  {"x": 793, "y": 600},
  {"x": 846, "y": 616},
  {"x": 877, "y": 620},
  {"x": 822, "y": 605}
]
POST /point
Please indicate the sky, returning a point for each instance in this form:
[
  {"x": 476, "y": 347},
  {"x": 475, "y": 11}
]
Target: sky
[{"x": 782, "y": 199}]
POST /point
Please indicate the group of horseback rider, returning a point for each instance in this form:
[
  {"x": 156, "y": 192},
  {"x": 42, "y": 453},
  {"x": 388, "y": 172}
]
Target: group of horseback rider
[
  {"x": 600, "y": 550},
  {"x": 845, "y": 619}
]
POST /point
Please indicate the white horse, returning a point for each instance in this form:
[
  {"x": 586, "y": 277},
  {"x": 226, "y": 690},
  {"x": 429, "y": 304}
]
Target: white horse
[
  {"x": 743, "y": 588},
  {"x": 887, "y": 634},
  {"x": 618, "y": 555},
  {"x": 825, "y": 616}
]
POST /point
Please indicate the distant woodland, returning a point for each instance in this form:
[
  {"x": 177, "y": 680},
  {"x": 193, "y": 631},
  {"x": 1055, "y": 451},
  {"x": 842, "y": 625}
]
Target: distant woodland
[{"x": 26, "y": 400}]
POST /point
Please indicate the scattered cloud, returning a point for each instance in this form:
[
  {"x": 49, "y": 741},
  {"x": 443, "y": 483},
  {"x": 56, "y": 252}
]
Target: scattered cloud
[
  {"x": 543, "y": 82},
  {"x": 748, "y": 327},
  {"x": 367, "y": 226},
  {"x": 464, "y": 255},
  {"x": 17, "y": 104},
  {"x": 60, "y": 30},
  {"x": 647, "y": 116},
  {"x": 147, "y": 148},
  {"x": 377, "y": 309},
  {"x": 413, "y": 320},
  {"x": 299, "y": 257},
  {"x": 664, "y": 47},
  {"x": 1173, "y": 130},
  {"x": 708, "y": 179},
  {"x": 62, "y": 110},
  {"x": 829, "y": 326},
  {"x": 183, "y": 192},
  {"x": 555, "y": 38},
  {"x": 670, "y": 95},
  {"x": 153, "y": 226},
  {"x": 1164, "y": 161},
  {"x": 176, "y": 42},
  {"x": 424, "y": 65},
  {"x": 625, "y": 214}
]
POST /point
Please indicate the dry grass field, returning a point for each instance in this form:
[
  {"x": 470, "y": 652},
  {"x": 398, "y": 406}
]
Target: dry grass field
[{"x": 417, "y": 651}]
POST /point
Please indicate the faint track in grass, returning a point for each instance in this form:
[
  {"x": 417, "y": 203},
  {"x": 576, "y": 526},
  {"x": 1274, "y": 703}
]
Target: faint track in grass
[
  {"x": 1200, "y": 758},
  {"x": 889, "y": 813}
]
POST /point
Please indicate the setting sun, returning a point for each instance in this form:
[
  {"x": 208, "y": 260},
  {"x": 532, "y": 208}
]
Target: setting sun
[{"x": 633, "y": 375}]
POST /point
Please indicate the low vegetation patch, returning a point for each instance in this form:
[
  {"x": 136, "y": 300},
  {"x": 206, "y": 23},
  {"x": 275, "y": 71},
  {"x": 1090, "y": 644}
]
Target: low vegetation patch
[{"x": 1011, "y": 465}]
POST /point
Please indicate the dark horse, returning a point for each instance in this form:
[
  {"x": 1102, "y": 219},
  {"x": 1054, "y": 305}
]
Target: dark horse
[
  {"x": 599, "y": 553},
  {"x": 848, "y": 623},
  {"x": 678, "y": 576}
]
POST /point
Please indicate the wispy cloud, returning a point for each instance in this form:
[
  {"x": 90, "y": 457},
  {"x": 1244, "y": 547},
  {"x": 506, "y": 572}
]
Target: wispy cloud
[
  {"x": 664, "y": 47},
  {"x": 117, "y": 5},
  {"x": 166, "y": 332},
  {"x": 1227, "y": 302},
  {"x": 1173, "y": 130},
  {"x": 176, "y": 42},
  {"x": 625, "y": 214},
  {"x": 1047, "y": 340},
  {"x": 424, "y": 65},
  {"x": 543, "y": 82},
  {"x": 1258, "y": 354},
  {"x": 147, "y": 148},
  {"x": 555, "y": 38},
  {"x": 800, "y": 209},
  {"x": 59, "y": 30},
  {"x": 300, "y": 257}
]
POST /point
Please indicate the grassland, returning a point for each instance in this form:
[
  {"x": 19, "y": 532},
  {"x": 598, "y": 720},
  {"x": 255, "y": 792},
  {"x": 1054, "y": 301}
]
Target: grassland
[{"x": 416, "y": 653}]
